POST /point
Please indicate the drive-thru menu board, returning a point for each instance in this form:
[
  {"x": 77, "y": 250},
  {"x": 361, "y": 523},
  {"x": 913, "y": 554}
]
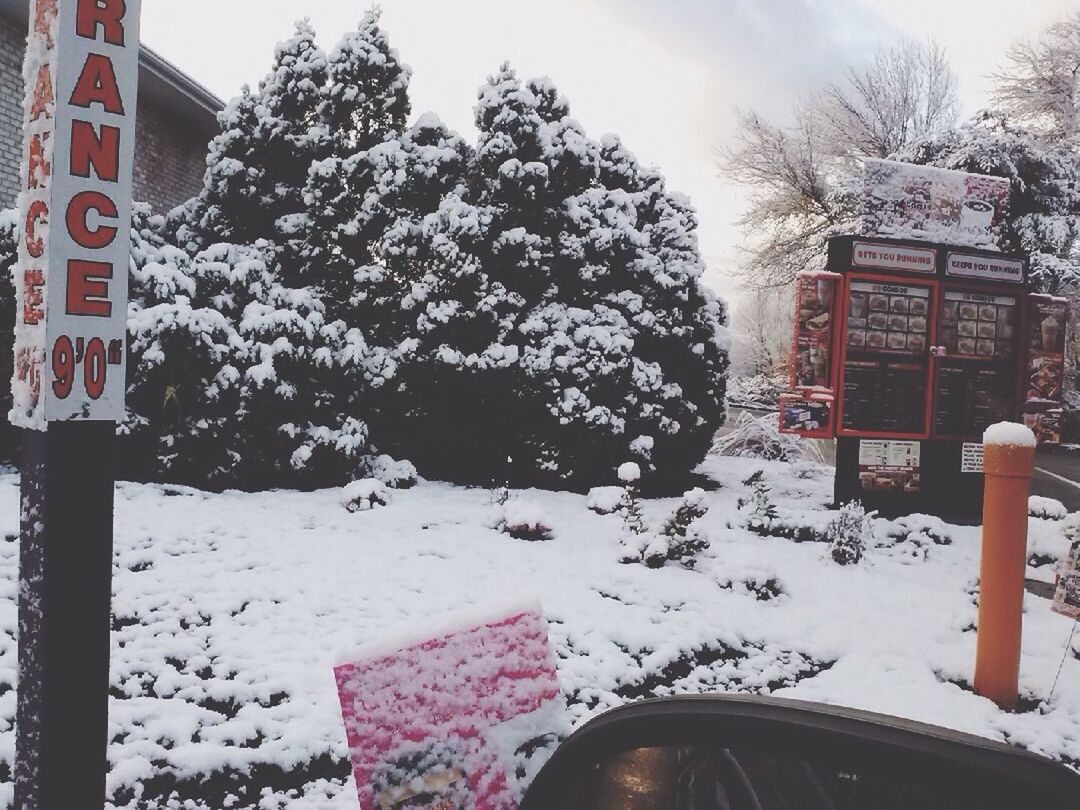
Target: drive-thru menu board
[
  {"x": 975, "y": 384},
  {"x": 886, "y": 357}
]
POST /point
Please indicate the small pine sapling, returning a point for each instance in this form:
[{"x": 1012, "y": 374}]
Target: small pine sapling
[
  {"x": 761, "y": 512},
  {"x": 849, "y": 533},
  {"x": 678, "y": 540},
  {"x": 635, "y": 534}
]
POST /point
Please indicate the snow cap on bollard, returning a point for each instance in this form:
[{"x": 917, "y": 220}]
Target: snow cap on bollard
[{"x": 1008, "y": 448}]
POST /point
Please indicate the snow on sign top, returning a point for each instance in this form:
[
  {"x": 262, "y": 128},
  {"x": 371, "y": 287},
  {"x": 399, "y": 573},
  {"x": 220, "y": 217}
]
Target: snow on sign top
[
  {"x": 435, "y": 720},
  {"x": 905, "y": 201},
  {"x": 1009, "y": 433},
  {"x": 81, "y": 71}
]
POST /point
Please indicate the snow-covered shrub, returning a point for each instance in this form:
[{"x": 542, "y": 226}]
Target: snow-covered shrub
[
  {"x": 760, "y": 511},
  {"x": 524, "y": 520},
  {"x": 804, "y": 527},
  {"x": 912, "y": 536},
  {"x": 760, "y": 437},
  {"x": 759, "y": 391},
  {"x": 850, "y": 533},
  {"x": 1071, "y": 528},
  {"x": 552, "y": 306},
  {"x": 364, "y": 495},
  {"x": 395, "y": 474},
  {"x": 604, "y": 500},
  {"x": 1048, "y": 508}
]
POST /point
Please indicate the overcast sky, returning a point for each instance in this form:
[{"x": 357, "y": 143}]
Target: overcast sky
[{"x": 664, "y": 74}]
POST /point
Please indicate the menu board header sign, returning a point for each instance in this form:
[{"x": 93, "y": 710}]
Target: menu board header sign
[
  {"x": 894, "y": 257},
  {"x": 1009, "y": 271}
]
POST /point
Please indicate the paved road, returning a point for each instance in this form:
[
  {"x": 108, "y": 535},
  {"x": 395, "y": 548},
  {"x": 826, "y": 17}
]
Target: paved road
[{"x": 1057, "y": 475}]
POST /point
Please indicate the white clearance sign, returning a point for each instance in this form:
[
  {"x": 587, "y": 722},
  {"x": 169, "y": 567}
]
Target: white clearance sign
[{"x": 82, "y": 70}]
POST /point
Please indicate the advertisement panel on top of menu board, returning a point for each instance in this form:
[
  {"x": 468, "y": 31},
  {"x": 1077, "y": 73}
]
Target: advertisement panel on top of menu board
[
  {"x": 1045, "y": 371},
  {"x": 905, "y": 201},
  {"x": 815, "y": 297}
]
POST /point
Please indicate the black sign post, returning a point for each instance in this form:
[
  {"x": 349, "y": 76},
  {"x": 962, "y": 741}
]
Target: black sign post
[
  {"x": 65, "y": 588},
  {"x": 82, "y": 61}
]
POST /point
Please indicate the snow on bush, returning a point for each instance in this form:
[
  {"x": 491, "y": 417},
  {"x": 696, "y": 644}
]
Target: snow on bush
[
  {"x": 758, "y": 391},
  {"x": 850, "y": 533},
  {"x": 604, "y": 500},
  {"x": 760, "y": 437},
  {"x": 1071, "y": 527},
  {"x": 1048, "y": 508},
  {"x": 395, "y": 474},
  {"x": 364, "y": 495},
  {"x": 524, "y": 520},
  {"x": 629, "y": 473},
  {"x": 912, "y": 536}
]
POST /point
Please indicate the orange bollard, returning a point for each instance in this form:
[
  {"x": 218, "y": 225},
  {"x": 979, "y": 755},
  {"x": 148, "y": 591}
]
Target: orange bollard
[{"x": 1008, "y": 458}]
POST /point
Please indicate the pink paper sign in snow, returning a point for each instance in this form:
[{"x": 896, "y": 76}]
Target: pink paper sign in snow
[{"x": 434, "y": 723}]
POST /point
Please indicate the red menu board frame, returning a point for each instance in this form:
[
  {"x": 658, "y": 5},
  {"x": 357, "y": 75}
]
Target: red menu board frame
[{"x": 933, "y": 285}]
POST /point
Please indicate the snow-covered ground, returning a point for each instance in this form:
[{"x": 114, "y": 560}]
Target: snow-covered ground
[{"x": 229, "y": 609}]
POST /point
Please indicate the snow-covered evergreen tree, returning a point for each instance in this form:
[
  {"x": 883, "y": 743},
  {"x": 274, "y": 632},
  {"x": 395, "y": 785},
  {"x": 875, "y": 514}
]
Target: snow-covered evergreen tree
[
  {"x": 367, "y": 94},
  {"x": 183, "y": 382}
]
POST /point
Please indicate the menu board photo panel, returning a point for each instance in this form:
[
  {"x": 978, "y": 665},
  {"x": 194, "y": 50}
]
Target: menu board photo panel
[
  {"x": 978, "y": 326},
  {"x": 815, "y": 299},
  {"x": 888, "y": 317},
  {"x": 1045, "y": 371}
]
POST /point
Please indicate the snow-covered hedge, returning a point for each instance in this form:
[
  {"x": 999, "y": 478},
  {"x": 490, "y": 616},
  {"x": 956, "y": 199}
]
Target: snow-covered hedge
[{"x": 346, "y": 281}]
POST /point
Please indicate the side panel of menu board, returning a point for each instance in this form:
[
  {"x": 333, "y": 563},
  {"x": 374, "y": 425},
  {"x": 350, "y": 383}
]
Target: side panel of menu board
[
  {"x": 815, "y": 296},
  {"x": 975, "y": 384},
  {"x": 886, "y": 358},
  {"x": 1045, "y": 372}
]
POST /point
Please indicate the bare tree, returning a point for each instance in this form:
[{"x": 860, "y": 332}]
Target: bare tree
[
  {"x": 794, "y": 204},
  {"x": 1040, "y": 83},
  {"x": 762, "y": 326},
  {"x": 907, "y": 92},
  {"x": 802, "y": 180}
]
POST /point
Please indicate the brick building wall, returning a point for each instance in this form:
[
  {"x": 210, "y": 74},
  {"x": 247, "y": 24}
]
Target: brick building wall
[
  {"x": 12, "y": 44},
  {"x": 169, "y": 163},
  {"x": 170, "y": 157}
]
